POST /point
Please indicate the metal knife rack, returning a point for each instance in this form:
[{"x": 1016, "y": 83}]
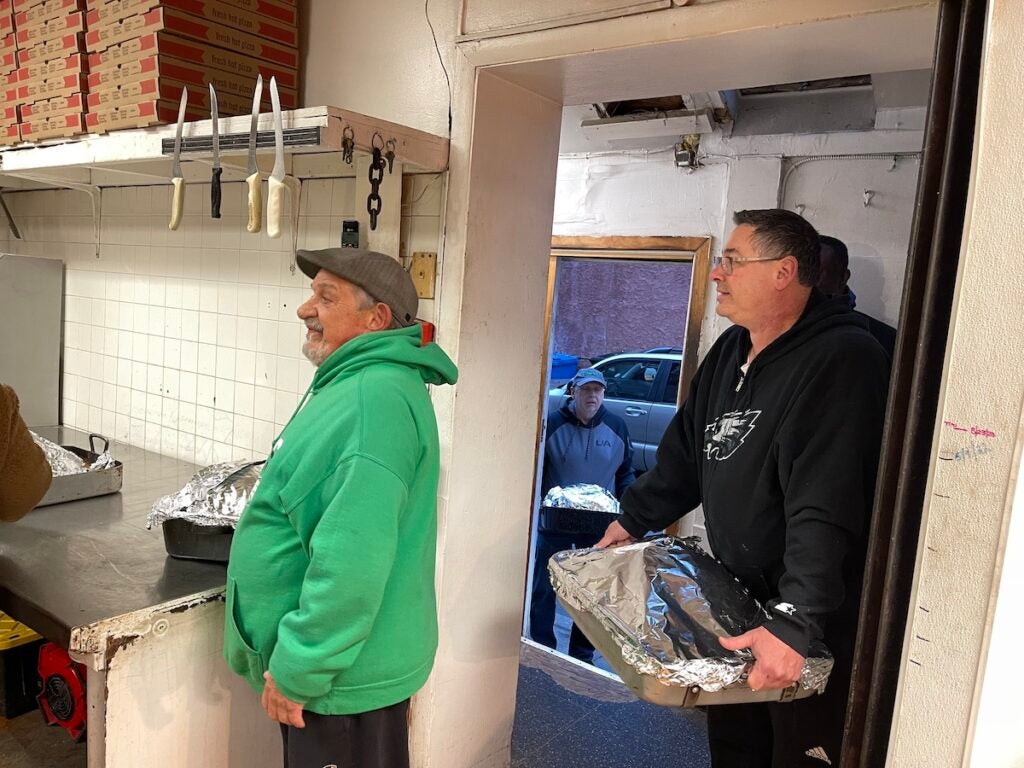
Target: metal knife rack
[
  {"x": 292, "y": 138},
  {"x": 295, "y": 138}
]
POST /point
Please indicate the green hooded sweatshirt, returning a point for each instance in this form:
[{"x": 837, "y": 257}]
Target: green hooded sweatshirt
[{"x": 331, "y": 579}]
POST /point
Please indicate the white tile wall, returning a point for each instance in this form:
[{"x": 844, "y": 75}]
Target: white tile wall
[{"x": 186, "y": 343}]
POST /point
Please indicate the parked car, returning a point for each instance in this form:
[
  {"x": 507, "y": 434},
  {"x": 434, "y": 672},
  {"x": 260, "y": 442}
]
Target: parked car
[{"x": 642, "y": 390}]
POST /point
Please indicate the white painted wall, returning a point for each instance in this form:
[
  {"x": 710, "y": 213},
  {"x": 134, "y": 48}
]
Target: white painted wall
[
  {"x": 877, "y": 234},
  {"x": 997, "y": 739},
  {"x": 970, "y": 548},
  {"x": 379, "y": 59},
  {"x": 637, "y": 194}
]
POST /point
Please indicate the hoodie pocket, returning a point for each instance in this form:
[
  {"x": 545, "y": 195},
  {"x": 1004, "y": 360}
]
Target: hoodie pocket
[{"x": 238, "y": 652}]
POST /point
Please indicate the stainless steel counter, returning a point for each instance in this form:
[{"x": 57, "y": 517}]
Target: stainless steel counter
[{"x": 74, "y": 564}]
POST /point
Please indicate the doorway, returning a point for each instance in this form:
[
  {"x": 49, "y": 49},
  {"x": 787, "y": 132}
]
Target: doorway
[
  {"x": 513, "y": 118},
  {"x": 630, "y": 308}
]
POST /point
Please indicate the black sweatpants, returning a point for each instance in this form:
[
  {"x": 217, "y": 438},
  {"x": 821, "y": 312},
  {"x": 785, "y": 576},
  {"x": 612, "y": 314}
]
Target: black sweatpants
[
  {"x": 807, "y": 733},
  {"x": 376, "y": 739},
  {"x": 542, "y": 599}
]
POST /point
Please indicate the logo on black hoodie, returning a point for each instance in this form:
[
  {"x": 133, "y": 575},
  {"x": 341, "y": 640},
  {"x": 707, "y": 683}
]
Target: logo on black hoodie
[{"x": 724, "y": 436}]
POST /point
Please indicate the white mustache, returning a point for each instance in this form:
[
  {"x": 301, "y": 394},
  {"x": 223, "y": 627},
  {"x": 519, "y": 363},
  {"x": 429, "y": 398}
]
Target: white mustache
[{"x": 314, "y": 326}]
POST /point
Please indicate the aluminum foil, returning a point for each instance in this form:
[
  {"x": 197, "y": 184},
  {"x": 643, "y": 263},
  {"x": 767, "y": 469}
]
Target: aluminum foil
[
  {"x": 103, "y": 461},
  {"x": 216, "y": 495},
  {"x": 62, "y": 461},
  {"x": 665, "y": 602},
  {"x": 582, "y": 496}
]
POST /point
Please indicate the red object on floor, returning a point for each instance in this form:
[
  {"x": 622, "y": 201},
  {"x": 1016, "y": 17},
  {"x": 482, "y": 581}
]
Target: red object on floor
[{"x": 62, "y": 700}]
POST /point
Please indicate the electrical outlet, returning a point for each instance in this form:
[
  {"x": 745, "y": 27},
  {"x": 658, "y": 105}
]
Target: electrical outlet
[{"x": 423, "y": 271}]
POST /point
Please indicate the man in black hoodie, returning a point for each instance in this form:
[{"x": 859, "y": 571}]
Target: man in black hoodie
[
  {"x": 779, "y": 440},
  {"x": 834, "y": 281}
]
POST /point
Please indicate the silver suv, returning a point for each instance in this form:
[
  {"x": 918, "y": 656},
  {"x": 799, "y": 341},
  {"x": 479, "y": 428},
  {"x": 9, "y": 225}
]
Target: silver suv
[{"x": 642, "y": 389}]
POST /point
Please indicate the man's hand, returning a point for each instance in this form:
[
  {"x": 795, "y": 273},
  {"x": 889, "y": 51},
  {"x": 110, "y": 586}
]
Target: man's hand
[
  {"x": 776, "y": 664},
  {"x": 614, "y": 536},
  {"x": 279, "y": 707}
]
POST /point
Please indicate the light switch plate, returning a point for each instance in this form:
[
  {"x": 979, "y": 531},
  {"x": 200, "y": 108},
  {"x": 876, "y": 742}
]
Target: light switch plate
[{"x": 423, "y": 271}]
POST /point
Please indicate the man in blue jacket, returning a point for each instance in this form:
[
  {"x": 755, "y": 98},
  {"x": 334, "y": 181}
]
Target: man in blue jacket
[{"x": 584, "y": 444}]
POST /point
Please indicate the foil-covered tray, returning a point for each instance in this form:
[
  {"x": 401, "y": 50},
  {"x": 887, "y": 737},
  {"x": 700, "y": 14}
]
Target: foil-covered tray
[
  {"x": 655, "y": 609},
  {"x": 86, "y": 484}
]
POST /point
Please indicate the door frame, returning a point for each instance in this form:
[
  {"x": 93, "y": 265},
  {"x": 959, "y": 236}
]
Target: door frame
[
  {"x": 694, "y": 250},
  {"x": 645, "y": 248}
]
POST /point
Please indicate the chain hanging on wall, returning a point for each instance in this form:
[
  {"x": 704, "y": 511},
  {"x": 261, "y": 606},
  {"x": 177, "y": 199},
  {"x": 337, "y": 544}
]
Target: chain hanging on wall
[
  {"x": 348, "y": 144},
  {"x": 376, "y": 175}
]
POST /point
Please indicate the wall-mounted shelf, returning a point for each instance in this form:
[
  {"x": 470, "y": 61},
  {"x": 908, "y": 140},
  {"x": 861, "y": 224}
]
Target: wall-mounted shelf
[{"x": 313, "y": 142}]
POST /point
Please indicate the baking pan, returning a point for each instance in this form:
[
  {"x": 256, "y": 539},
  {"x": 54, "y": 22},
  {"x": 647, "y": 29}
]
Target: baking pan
[
  {"x": 651, "y": 689},
  {"x": 190, "y": 541},
  {"x": 568, "y": 520},
  {"x": 85, "y": 485}
]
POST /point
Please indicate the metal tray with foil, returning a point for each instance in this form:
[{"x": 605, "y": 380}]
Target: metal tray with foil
[
  {"x": 85, "y": 485},
  {"x": 651, "y": 689}
]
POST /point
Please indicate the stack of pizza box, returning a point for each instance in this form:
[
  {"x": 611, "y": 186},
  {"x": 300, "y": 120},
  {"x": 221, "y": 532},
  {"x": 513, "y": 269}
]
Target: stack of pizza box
[
  {"x": 142, "y": 53},
  {"x": 45, "y": 92},
  {"x": 9, "y": 133}
]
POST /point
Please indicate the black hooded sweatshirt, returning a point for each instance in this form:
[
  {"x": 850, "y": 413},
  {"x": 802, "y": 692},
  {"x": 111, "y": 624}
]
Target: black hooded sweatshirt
[{"x": 783, "y": 459}]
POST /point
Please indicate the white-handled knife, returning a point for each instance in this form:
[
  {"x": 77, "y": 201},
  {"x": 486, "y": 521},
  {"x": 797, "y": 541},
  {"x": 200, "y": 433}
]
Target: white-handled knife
[
  {"x": 177, "y": 179},
  {"x": 275, "y": 185},
  {"x": 253, "y": 179}
]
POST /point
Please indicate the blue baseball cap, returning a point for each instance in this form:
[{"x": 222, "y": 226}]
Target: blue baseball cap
[{"x": 588, "y": 376}]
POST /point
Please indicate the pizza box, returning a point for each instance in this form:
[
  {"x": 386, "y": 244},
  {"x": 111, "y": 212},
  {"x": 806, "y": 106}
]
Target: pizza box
[
  {"x": 60, "y": 105},
  {"x": 58, "y": 48},
  {"x": 141, "y": 115},
  {"x": 194, "y": 28},
  {"x": 195, "y": 76},
  {"x": 46, "y": 11},
  {"x": 283, "y": 11},
  {"x": 75, "y": 64},
  {"x": 53, "y": 127},
  {"x": 200, "y": 54},
  {"x": 51, "y": 30},
  {"x": 25, "y": 93},
  {"x": 211, "y": 10}
]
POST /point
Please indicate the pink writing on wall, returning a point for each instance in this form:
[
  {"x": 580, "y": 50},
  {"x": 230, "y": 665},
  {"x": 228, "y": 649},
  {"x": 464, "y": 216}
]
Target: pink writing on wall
[{"x": 976, "y": 431}]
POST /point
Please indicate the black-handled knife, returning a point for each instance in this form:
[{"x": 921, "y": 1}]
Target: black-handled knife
[{"x": 217, "y": 170}]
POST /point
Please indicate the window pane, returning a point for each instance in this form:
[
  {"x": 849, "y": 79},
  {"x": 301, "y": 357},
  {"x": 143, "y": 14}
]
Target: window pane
[
  {"x": 672, "y": 386},
  {"x": 630, "y": 379}
]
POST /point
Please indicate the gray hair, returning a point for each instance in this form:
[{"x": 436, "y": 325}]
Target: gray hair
[
  {"x": 366, "y": 301},
  {"x": 779, "y": 233}
]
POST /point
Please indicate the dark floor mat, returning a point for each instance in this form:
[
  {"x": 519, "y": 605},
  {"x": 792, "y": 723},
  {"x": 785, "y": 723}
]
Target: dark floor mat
[{"x": 558, "y": 728}]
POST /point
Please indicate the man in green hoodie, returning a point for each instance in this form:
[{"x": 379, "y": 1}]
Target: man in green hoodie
[{"x": 331, "y": 614}]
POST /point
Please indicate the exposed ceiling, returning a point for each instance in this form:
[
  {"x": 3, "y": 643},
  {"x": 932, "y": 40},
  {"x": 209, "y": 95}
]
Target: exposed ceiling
[{"x": 894, "y": 100}]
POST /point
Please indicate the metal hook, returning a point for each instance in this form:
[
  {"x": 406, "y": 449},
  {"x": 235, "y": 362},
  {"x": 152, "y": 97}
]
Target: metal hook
[{"x": 377, "y": 137}]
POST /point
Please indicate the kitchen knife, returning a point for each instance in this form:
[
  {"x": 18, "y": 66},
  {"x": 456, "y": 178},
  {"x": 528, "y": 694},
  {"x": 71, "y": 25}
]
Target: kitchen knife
[
  {"x": 178, "y": 194},
  {"x": 275, "y": 185},
  {"x": 217, "y": 170},
  {"x": 253, "y": 178}
]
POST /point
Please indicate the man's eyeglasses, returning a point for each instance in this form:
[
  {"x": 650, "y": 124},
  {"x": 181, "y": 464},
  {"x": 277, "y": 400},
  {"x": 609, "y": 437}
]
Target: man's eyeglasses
[{"x": 727, "y": 262}]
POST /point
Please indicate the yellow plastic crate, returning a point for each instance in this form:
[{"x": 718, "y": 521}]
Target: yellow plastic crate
[{"x": 14, "y": 633}]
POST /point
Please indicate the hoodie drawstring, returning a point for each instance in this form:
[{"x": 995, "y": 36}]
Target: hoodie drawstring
[{"x": 302, "y": 402}]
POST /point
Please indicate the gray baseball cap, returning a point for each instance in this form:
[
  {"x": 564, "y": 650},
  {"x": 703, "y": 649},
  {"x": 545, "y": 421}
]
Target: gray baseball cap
[
  {"x": 589, "y": 376},
  {"x": 376, "y": 273}
]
